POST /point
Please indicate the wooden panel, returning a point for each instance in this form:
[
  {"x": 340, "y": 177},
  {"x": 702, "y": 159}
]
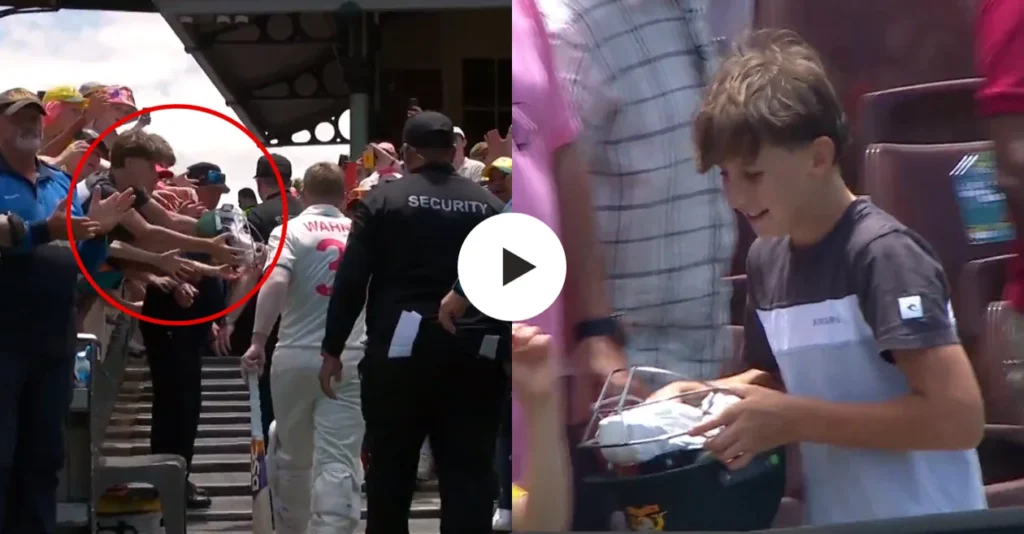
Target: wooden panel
[{"x": 397, "y": 86}]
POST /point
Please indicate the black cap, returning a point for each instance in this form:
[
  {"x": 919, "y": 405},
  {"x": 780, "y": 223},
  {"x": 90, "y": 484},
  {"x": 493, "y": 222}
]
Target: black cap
[
  {"x": 207, "y": 174},
  {"x": 90, "y": 136},
  {"x": 264, "y": 170},
  {"x": 429, "y": 129},
  {"x": 12, "y": 100}
]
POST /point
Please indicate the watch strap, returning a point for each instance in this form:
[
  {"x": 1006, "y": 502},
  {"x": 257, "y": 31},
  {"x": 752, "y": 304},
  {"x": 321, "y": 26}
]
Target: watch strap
[{"x": 600, "y": 327}]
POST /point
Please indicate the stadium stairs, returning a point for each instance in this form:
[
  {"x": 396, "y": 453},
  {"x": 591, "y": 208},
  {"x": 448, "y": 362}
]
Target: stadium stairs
[{"x": 221, "y": 463}]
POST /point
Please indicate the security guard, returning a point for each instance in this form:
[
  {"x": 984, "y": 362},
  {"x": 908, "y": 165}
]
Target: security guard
[
  {"x": 418, "y": 380},
  {"x": 234, "y": 337}
]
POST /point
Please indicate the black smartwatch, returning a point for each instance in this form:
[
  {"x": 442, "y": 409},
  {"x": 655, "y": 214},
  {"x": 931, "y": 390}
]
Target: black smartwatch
[
  {"x": 609, "y": 327},
  {"x": 16, "y": 228}
]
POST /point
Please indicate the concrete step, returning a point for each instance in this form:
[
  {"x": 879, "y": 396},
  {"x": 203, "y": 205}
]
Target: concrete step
[
  {"x": 146, "y": 419},
  {"x": 223, "y": 484},
  {"x": 217, "y": 406},
  {"x": 221, "y": 463},
  {"x": 208, "y": 396},
  {"x": 222, "y": 360},
  {"x": 211, "y": 384},
  {"x": 238, "y": 430},
  {"x": 239, "y": 508},
  {"x": 220, "y": 370},
  {"x": 203, "y": 446}
]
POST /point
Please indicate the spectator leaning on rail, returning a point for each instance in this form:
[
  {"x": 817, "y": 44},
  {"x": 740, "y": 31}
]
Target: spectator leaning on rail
[{"x": 37, "y": 322}]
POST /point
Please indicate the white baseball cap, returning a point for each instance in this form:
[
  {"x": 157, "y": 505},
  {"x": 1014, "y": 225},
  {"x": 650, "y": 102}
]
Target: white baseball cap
[{"x": 458, "y": 131}]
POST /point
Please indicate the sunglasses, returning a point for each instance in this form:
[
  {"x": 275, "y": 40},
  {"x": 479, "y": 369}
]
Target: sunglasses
[{"x": 212, "y": 178}]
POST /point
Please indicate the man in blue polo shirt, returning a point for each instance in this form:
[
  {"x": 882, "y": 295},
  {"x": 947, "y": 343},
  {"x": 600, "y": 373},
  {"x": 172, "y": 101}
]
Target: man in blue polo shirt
[{"x": 37, "y": 319}]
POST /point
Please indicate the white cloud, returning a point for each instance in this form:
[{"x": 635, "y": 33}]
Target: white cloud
[{"x": 140, "y": 51}]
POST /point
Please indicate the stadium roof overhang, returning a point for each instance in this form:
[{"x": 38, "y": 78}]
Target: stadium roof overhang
[{"x": 283, "y": 66}]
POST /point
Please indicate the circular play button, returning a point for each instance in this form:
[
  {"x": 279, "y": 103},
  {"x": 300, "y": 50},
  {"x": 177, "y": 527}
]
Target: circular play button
[{"x": 512, "y": 267}]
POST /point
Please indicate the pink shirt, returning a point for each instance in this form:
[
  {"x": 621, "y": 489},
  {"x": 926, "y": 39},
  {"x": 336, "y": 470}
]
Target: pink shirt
[{"x": 541, "y": 123}]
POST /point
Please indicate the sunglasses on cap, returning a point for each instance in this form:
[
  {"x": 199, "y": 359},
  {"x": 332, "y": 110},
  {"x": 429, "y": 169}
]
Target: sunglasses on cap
[{"x": 213, "y": 178}]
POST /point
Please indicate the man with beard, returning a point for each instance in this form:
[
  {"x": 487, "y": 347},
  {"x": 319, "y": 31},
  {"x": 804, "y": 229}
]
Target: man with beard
[{"x": 37, "y": 324}]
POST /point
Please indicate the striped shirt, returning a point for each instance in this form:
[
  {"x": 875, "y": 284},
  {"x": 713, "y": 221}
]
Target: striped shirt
[{"x": 634, "y": 71}]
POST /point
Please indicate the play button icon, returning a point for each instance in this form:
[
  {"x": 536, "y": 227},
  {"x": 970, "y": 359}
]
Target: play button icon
[{"x": 512, "y": 267}]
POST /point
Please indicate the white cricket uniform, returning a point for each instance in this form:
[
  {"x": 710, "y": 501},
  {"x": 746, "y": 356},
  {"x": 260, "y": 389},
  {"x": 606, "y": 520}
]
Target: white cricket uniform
[{"x": 315, "y": 458}]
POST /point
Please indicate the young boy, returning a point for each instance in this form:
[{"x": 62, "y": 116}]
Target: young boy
[{"x": 849, "y": 331}]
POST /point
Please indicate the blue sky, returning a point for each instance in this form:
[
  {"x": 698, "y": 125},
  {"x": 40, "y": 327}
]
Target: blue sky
[{"x": 139, "y": 50}]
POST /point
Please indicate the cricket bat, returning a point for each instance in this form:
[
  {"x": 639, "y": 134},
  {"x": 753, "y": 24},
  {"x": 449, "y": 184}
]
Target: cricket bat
[{"x": 262, "y": 514}]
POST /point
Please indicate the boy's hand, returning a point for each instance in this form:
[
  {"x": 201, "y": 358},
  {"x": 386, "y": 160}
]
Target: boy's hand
[
  {"x": 534, "y": 373},
  {"x": 675, "y": 389},
  {"x": 763, "y": 420}
]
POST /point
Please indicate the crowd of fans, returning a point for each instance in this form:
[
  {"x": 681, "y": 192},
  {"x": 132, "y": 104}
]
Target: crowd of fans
[{"x": 149, "y": 238}]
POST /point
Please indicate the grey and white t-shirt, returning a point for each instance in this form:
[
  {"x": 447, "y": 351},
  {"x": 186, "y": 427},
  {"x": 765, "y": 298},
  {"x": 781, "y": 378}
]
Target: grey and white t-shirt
[{"x": 826, "y": 318}]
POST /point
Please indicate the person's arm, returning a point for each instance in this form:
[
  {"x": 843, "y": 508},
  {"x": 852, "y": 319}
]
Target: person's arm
[
  {"x": 273, "y": 297},
  {"x": 999, "y": 37},
  {"x": 250, "y": 278},
  {"x": 348, "y": 296},
  {"x": 758, "y": 358},
  {"x": 548, "y": 505},
  {"x": 584, "y": 81},
  {"x": 905, "y": 300},
  {"x": 93, "y": 251},
  {"x": 158, "y": 237},
  {"x": 158, "y": 215},
  {"x": 5, "y": 232},
  {"x": 61, "y": 141},
  {"x": 124, "y": 251}
]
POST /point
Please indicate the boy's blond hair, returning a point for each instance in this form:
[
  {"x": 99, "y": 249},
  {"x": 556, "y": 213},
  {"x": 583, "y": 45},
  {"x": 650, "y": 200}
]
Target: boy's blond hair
[{"x": 771, "y": 90}]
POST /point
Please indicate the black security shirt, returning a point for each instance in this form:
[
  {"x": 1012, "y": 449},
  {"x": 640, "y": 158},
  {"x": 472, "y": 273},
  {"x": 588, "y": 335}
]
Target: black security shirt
[
  {"x": 402, "y": 253},
  {"x": 270, "y": 214}
]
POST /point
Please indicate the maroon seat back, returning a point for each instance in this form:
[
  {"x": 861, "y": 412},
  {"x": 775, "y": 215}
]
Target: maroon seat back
[
  {"x": 908, "y": 115},
  {"x": 981, "y": 283},
  {"x": 871, "y": 45},
  {"x": 1002, "y": 404},
  {"x": 913, "y": 183}
]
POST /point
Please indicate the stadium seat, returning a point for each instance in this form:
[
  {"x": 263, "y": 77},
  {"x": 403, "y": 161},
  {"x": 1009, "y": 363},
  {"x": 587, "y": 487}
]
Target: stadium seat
[
  {"x": 912, "y": 183},
  {"x": 897, "y": 44},
  {"x": 1003, "y": 446},
  {"x": 981, "y": 283},
  {"x": 907, "y": 114}
]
